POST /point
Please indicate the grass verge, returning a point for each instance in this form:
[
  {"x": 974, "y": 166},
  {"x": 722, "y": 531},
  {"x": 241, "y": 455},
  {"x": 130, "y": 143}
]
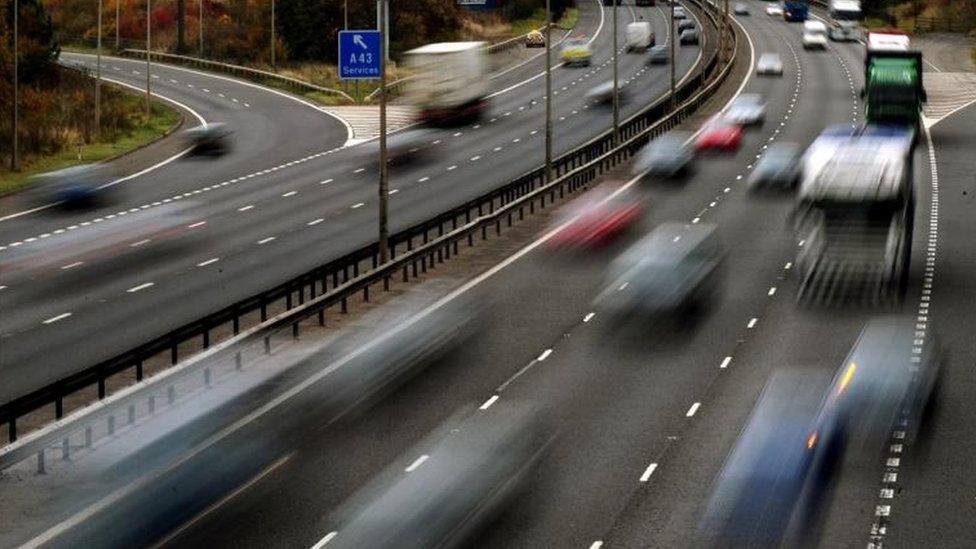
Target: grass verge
[{"x": 146, "y": 130}]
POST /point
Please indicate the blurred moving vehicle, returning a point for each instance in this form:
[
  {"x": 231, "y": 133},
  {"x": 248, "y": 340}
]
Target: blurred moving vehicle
[
  {"x": 110, "y": 238},
  {"x": 666, "y": 156},
  {"x": 466, "y": 478},
  {"x": 685, "y": 24},
  {"x": 769, "y": 64},
  {"x": 796, "y": 11},
  {"x": 644, "y": 3},
  {"x": 747, "y": 110},
  {"x": 741, "y": 8},
  {"x": 856, "y": 213},
  {"x": 688, "y": 36},
  {"x": 886, "y": 382},
  {"x": 535, "y": 39},
  {"x": 774, "y": 9},
  {"x": 894, "y": 91},
  {"x": 596, "y": 219},
  {"x": 778, "y": 167},
  {"x": 814, "y": 35},
  {"x": 679, "y": 12},
  {"x": 843, "y": 16},
  {"x": 671, "y": 271},
  {"x": 210, "y": 139},
  {"x": 603, "y": 93},
  {"x": 660, "y": 55},
  {"x": 639, "y": 36},
  {"x": 719, "y": 134},
  {"x": 450, "y": 83},
  {"x": 773, "y": 479},
  {"x": 576, "y": 51},
  {"x": 402, "y": 147},
  {"x": 77, "y": 187}
]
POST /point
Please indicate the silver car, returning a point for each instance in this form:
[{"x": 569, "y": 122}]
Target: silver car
[
  {"x": 666, "y": 156},
  {"x": 779, "y": 167},
  {"x": 659, "y": 55},
  {"x": 769, "y": 64},
  {"x": 747, "y": 110}
]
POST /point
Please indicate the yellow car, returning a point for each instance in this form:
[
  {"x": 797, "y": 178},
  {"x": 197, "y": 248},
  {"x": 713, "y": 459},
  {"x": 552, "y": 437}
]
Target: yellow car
[
  {"x": 535, "y": 39},
  {"x": 576, "y": 51}
]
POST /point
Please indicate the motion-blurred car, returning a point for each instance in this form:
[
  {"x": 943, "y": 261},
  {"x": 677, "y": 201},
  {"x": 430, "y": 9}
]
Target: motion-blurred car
[
  {"x": 747, "y": 110},
  {"x": 774, "y": 477},
  {"x": 659, "y": 55},
  {"x": 740, "y": 8},
  {"x": 814, "y": 35},
  {"x": 603, "y": 93},
  {"x": 77, "y": 187},
  {"x": 639, "y": 35},
  {"x": 779, "y": 166},
  {"x": 666, "y": 156},
  {"x": 769, "y": 64},
  {"x": 402, "y": 147},
  {"x": 719, "y": 135},
  {"x": 595, "y": 220},
  {"x": 535, "y": 39},
  {"x": 688, "y": 36},
  {"x": 685, "y": 25},
  {"x": 576, "y": 51},
  {"x": 210, "y": 139},
  {"x": 679, "y": 13},
  {"x": 671, "y": 271},
  {"x": 774, "y": 9},
  {"x": 465, "y": 479}
]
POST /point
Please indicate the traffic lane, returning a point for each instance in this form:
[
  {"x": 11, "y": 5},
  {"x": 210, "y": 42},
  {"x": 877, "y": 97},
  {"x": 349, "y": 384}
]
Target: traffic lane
[
  {"x": 933, "y": 498},
  {"x": 270, "y": 130},
  {"x": 39, "y": 314}
]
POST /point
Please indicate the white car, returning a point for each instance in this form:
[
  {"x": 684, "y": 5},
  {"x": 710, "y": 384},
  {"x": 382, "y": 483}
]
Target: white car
[
  {"x": 814, "y": 35},
  {"x": 679, "y": 13},
  {"x": 774, "y": 10},
  {"x": 740, "y": 9},
  {"x": 747, "y": 110},
  {"x": 769, "y": 63}
]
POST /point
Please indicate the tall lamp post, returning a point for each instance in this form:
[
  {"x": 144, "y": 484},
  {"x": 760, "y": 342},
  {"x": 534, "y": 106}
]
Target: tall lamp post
[
  {"x": 548, "y": 92},
  {"x": 616, "y": 98},
  {"x": 274, "y": 67},
  {"x": 148, "y": 66},
  {"x": 98, "y": 73},
  {"x": 384, "y": 172},
  {"x": 674, "y": 100},
  {"x": 14, "y": 163},
  {"x": 118, "y": 13},
  {"x": 200, "y": 25}
]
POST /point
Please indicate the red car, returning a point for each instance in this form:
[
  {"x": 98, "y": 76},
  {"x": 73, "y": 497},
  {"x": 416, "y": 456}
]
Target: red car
[
  {"x": 719, "y": 136},
  {"x": 596, "y": 220}
]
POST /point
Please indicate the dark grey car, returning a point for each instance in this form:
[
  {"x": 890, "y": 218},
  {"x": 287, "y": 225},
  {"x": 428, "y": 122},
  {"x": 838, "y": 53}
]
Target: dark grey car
[
  {"x": 779, "y": 167},
  {"x": 659, "y": 55},
  {"x": 666, "y": 156}
]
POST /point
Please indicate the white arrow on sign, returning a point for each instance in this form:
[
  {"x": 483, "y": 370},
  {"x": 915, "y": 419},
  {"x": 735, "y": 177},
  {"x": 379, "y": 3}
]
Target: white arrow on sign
[{"x": 358, "y": 39}]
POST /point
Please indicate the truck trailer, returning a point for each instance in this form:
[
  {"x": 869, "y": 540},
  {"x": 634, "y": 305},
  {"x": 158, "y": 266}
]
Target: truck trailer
[
  {"x": 450, "y": 83},
  {"x": 894, "y": 91}
]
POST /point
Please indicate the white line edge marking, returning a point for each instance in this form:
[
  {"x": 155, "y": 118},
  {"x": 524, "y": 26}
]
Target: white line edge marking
[
  {"x": 545, "y": 354},
  {"x": 416, "y": 464},
  {"x": 488, "y": 402},
  {"x": 648, "y": 472},
  {"x": 328, "y": 537}
]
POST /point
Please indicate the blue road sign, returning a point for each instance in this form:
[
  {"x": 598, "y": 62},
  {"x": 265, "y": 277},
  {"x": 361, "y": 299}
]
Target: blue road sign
[{"x": 359, "y": 54}]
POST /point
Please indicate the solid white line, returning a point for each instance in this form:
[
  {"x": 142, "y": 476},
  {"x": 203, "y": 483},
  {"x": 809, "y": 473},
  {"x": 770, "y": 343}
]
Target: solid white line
[
  {"x": 141, "y": 287},
  {"x": 54, "y": 319},
  {"x": 208, "y": 262},
  {"x": 328, "y": 537},
  {"x": 266, "y": 240},
  {"x": 648, "y": 472},
  {"x": 545, "y": 354},
  {"x": 725, "y": 362},
  {"x": 488, "y": 402},
  {"x": 694, "y": 408},
  {"x": 417, "y": 463}
]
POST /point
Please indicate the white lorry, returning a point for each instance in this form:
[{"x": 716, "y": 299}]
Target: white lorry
[
  {"x": 844, "y": 16},
  {"x": 450, "y": 82},
  {"x": 639, "y": 36},
  {"x": 814, "y": 35}
]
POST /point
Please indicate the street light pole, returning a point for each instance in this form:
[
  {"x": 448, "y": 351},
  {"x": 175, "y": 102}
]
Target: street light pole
[
  {"x": 14, "y": 164},
  {"x": 148, "y": 66},
  {"x": 548, "y": 92},
  {"x": 199, "y": 24},
  {"x": 118, "y": 11},
  {"x": 616, "y": 98},
  {"x": 384, "y": 172},
  {"x": 674, "y": 100},
  {"x": 274, "y": 67},
  {"x": 345, "y": 15},
  {"x": 98, "y": 73}
]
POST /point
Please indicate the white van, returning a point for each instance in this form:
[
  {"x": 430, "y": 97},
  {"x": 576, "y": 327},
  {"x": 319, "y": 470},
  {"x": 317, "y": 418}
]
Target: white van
[
  {"x": 814, "y": 35},
  {"x": 639, "y": 36}
]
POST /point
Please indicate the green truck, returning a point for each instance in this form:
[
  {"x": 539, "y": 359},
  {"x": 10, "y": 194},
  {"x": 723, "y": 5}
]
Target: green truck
[{"x": 893, "y": 92}]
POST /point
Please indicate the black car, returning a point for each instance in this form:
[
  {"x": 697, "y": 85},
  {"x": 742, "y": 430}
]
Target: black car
[
  {"x": 688, "y": 36},
  {"x": 685, "y": 25}
]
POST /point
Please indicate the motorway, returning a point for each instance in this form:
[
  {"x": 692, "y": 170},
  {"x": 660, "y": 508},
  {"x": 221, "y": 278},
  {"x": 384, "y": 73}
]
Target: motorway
[
  {"x": 645, "y": 421},
  {"x": 263, "y": 213}
]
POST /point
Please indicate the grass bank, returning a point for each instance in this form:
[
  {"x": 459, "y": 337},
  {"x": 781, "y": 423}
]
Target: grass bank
[{"x": 144, "y": 130}]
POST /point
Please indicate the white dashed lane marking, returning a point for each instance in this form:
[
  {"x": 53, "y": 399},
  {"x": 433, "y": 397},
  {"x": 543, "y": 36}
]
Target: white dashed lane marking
[
  {"x": 140, "y": 287},
  {"x": 54, "y": 319}
]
